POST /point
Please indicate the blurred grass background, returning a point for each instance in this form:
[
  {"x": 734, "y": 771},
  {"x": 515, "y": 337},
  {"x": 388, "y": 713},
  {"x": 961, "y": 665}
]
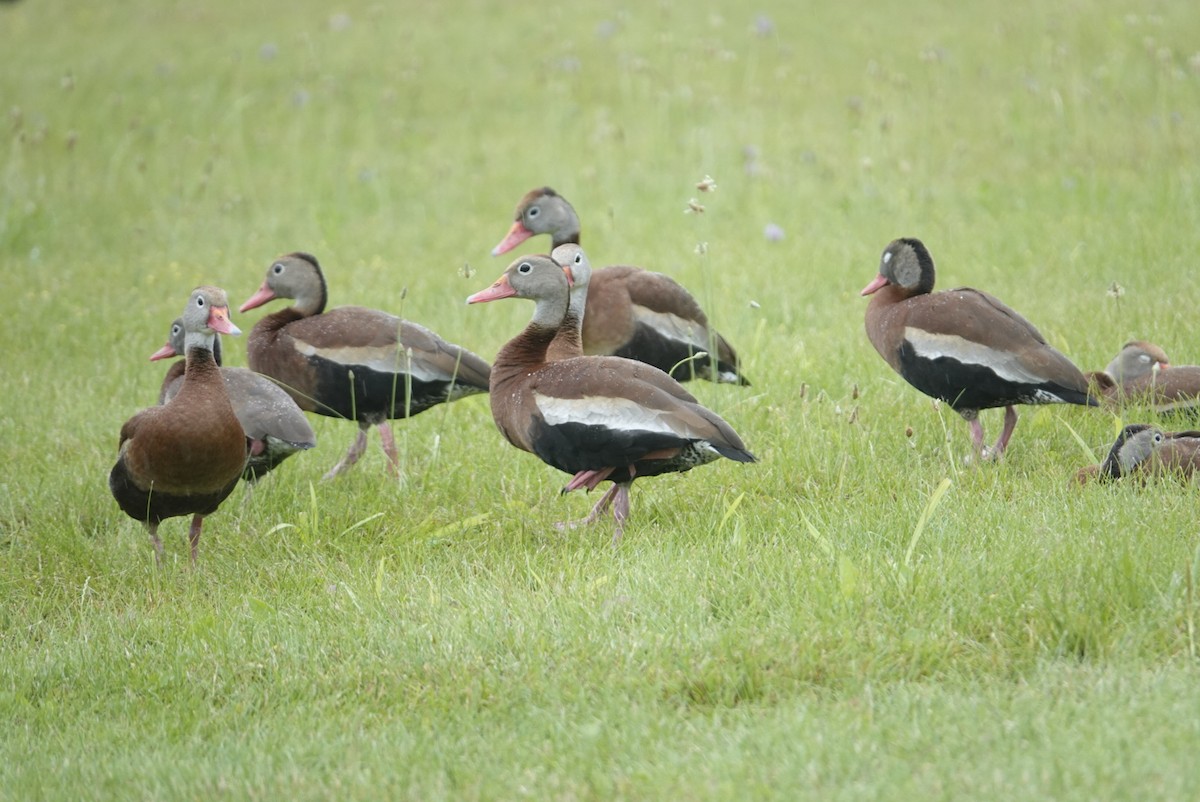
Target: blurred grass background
[{"x": 785, "y": 629}]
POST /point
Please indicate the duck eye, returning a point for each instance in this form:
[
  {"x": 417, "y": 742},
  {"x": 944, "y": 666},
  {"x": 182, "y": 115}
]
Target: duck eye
[
  {"x": 277, "y": 268},
  {"x": 579, "y": 258},
  {"x": 525, "y": 268},
  {"x": 533, "y": 211},
  {"x": 1143, "y": 358},
  {"x": 200, "y": 301}
]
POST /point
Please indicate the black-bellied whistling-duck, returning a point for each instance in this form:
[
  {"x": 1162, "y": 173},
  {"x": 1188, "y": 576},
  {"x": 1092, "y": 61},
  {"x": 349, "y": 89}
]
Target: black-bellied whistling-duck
[
  {"x": 963, "y": 346},
  {"x": 631, "y": 312},
  {"x": 185, "y": 457},
  {"x": 352, "y": 362},
  {"x": 1142, "y": 374},
  {"x": 274, "y": 425},
  {"x": 1143, "y": 451},
  {"x": 596, "y": 418}
]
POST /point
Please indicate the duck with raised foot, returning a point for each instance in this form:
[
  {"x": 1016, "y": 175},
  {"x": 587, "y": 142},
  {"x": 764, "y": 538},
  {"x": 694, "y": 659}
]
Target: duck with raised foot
[{"x": 596, "y": 418}]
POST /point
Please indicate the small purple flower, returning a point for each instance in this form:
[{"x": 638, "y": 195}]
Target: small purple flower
[{"x": 772, "y": 232}]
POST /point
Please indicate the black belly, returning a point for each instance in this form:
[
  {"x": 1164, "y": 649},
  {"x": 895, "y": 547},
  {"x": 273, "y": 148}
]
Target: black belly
[
  {"x": 669, "y": 356},
  {"x": 155, "y": 507},
  {"x": 966, "y": 386},
  {"x": 575, "y": 447},
  {"x": 362, "y": 394}
]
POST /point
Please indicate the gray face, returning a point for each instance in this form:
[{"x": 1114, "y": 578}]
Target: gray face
[
  {"x": 900, "y": 265},
  {"x": 1138, "y": 448},
  {"x": 572, "y": 256}
]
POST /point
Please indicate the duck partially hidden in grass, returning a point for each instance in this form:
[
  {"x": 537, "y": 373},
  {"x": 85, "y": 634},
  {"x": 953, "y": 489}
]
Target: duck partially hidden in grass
[
  {"x": 352, "y": 362},
  {"x": 597, "y": 418},
  {"x": 963, "y": 346},
  {"x": 631, "y": 312},
  {"x": 1142, "y": 375},
  {"x": 1144, "y": 451},
  {"x": 274, "y": 425},
  {"x": 185, "y": 457}
]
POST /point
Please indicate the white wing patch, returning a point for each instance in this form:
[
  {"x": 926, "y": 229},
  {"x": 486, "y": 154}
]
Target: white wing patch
[
  {"x": 383, "y": 360},
  {"x": 611, "y": 413},
  {"x": 672, "y": 326},
  {"x": 1005, "y": 365}
]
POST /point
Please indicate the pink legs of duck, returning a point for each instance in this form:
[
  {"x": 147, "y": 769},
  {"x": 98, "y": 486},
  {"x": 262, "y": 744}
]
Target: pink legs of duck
[
  {"x": 193, "y": 538},
  {"x": 617, "y": 496},
  {"x": 387, "y": 439},
  {"x": 1010, "y": 423}
]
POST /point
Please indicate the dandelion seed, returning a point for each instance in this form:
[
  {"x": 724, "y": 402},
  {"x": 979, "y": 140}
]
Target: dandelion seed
[
  {"x": 707, "y": 185},
  {"x": 694, "y": 207},
  {"x": 466, "y": 271},
  {"x": 853, "y": 415},
  {"x": 755, "y": 305},
  {"x": 773, "y": 232},
  {"x": 701, "y": 248},
  {"x": 1115, "y": 291}
]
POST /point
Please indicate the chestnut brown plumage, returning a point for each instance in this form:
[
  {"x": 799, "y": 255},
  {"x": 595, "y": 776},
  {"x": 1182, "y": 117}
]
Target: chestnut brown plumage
[
  {"x": 352, "y": 362},
  {"x": 963, "y": 346},
  {"x": 274, "y": 425},
  {"x": 597, "y": 418},
  {"x": 631, "y": 312},
  {"x": 1142, "y": 375},
  {"x": 185, "y": 457}
]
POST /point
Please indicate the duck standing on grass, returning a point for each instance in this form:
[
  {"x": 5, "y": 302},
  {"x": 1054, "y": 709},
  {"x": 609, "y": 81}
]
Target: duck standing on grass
[
  {"x": 963, "y": 346},
  {"x": 352, "y": 362},
  {"x": 185, "y": 457},
  {"x": 631, "y": 312},
  {"x": 596, "y": 418}
]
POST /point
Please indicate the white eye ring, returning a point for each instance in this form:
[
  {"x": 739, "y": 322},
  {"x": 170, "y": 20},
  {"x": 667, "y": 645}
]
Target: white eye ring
[
  {"x": 277, "y": 268},
  {"x": 524, "y": 268},
  {"x": 887, "y": 257},
  {"x": 533, "y": 211}
]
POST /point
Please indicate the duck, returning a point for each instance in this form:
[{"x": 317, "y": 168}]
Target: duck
[
  {"x": 1141, "y": 373},
  {"x": 963, "y": 346},
  {"x": 186, "y": 456},
  {"x": 1145, "y": 450},
  {"x": 631, "y": 312},
  {"x": 352, "y": 362},
  {"x": 273, "y": 423},
  {"x": 596, "y": 418}
]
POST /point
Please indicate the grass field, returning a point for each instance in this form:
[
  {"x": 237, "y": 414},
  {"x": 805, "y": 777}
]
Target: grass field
[{"x": 861, "y": 615}]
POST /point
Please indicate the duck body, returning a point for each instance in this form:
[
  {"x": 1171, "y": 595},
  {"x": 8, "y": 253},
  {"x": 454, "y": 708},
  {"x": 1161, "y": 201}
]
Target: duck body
[
  {"x": 353, "y": 362},
  {"x": 631, "y": 312},
  {"x": 596, "y": 418},
  {"x": 963, "y": 346},
  {"x": 274, "y": 425},
  {"x": 186, "y": 456}
]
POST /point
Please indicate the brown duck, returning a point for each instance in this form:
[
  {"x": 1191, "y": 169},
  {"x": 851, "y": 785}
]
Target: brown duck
[
  {"x": 963, "y": 346},
  {"x": 596, "y": 418},
  {"x": 631, "y": 312},
  {"x": 352, "y": 362},
  {"x": 1141, "y": 374},
  {"x": 185, "y": 457}
]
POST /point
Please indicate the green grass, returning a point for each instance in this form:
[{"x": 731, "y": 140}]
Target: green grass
[{"x": 862, "y": 615}]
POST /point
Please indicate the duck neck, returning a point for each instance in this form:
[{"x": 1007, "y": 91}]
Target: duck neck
[
  {"x": 568, "y": 340},
  {"x": 527, "y": 351}
]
